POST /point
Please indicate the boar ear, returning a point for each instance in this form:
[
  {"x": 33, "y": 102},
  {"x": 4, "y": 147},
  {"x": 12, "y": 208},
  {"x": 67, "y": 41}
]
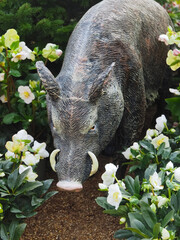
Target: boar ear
[
  {"x": 97, "y": 87},
  {"x": 48, "y": 80}
]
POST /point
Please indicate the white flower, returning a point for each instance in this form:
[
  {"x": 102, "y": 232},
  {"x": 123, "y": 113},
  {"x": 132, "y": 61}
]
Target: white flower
[
  {"x": 164, "y": 38},
  {"x": 165, "y": 234},
  {"x": 114, "y": 195},
  {"x": 3, "y": 99},
  {"x": 102, "y": 186},
  {"x": 31, "y": 176},
  {"x": 40, "y": 149},
  {"x": 26, "y": 94},
  {"x": 9, "y": 154},
  {"x": 177, "y": 174},
  {"x": 1, "y": 77},
  {"x": 59, "y": 52},
  {"x": 151, "y": 133},
  {"x": 127, "y": 154},
  {"x": 162, "y": 201},
  {"x": 108, "y": 175},
  {"x": 160, "y": 123},
  {"x": 160, "y": 139},
  {"x": 175, "y": 91},
  {"x": 2, "y": 174},
  {"x": 22, "y": 135},
  {"x": 23, "y": 53},
  {"x": 169, "y": 166},
  {"x": 155, "y": 181},
  {"x": 30, "y": 159}
]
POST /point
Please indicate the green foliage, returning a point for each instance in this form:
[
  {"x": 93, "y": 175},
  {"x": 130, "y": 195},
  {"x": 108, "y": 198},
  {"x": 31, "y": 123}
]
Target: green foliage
[
  {"x": 149, "y": 202},
  {"x": 20, "y": 193}
]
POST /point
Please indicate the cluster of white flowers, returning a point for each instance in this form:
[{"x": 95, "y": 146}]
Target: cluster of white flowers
[
  {"x": 155, "y": 136},
  {"x": 18, "y": 148},
  {"x": 114, "y": 193}
]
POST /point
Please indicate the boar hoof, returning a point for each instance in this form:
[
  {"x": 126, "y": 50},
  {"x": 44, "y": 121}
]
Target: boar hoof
[{"x": 69, "y": 186}]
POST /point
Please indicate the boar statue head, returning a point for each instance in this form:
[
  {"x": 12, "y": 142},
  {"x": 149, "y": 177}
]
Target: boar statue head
[{"x": 84, "y": 115}]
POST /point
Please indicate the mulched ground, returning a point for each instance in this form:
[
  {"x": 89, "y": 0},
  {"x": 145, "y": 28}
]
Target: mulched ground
[{"x": 73, "y": 216}]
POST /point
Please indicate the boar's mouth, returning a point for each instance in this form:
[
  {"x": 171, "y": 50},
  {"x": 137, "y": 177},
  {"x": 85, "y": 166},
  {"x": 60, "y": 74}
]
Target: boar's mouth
[{"x": 69, "y": 185}]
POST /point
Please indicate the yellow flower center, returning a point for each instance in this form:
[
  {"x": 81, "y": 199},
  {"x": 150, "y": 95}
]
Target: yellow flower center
[
  {"x": 26, "y": 94},
  {"x": 160, "y": 141},
  {"x": 115, "y": 196}
]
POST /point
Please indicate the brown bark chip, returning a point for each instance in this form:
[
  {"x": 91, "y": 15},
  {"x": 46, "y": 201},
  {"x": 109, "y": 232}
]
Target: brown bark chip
[{"x": 73, "y": 216}]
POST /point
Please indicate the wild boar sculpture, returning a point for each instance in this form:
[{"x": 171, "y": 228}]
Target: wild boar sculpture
[{"x": 113, "y": 68}]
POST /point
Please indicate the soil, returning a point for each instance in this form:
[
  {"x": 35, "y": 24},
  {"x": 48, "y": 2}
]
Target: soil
[{"x": 73, "y": 216}]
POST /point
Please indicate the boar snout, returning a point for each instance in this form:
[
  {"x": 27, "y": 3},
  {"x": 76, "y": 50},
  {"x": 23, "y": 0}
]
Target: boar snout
[
  {"x": 69, "y": 186},
  {"x": 73, "y": 186}
]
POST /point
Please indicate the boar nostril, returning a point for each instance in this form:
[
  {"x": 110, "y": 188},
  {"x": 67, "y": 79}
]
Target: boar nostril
[{"x": 52, "y": 158}]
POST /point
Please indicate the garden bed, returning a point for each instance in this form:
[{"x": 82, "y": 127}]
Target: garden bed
[{"x": 73, "y": 216}]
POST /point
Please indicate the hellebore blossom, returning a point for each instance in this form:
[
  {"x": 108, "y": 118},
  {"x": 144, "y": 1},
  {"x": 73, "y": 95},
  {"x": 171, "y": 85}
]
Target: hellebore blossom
[
  {"x": 2, "y": 174},
  {"x": 22, "y": 135},
  {"x": 177, "y": 174},
  {"x": 26, "y": 94},
  {"x": 2, "y": 76},
  {"x": 127, "y": 154},
  {"x": 114, "y": 195},
  {"x": 23, "y": 53},
  {"x": 29, "y": 159},
  {"x": 160, "y": 139},
  {"x": 151, "y": 133},
  {"x": 164, "y": 38},
  {"x": 175, "y": 91},
  {"x": 40, "y": 149},
  {"x": 10, "y": 36},
  {"x": 160, "y": 123},
  {"x": 165, "y": 234},
  {"x": 173, "y": 61},
  {"x": 155, "y": 181},
  {"x": 31, "y": 176},
  {"x": 15, "y": 146},
  {"x": 3, "y": 99},
  {"x": 162, "y": 201},
  {"x": 51, "y": 52},
  {"x": 108, "y": 175}
]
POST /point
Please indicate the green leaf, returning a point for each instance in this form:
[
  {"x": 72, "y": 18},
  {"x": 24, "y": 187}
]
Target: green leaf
[
  {"x": 12, "y": 178},
  {"x": 102, "y": 202},
  {"x": 19, "y": 231},
  {"x": 156, "y": 230},
  {"x": 137, "y": 231},
  {"x": 148, "y": 146},
  {"x": 173, "y": 105},
  {"x": 148, "y": 215},
  {"x": 166, "y": 153},
  {"x": 21, "y": 178},
  {"x": 28, "y": 186},
  {"x": 129, "y": 182},
  {"x": 137, "y": 221},
  {"x": 137, "y": 186},
  {"x": 14, "y": 73},
  {"x": 49, "y": 195},
  {"x": 9, "y": 118},
  {"x": 121, "y": 211},
  {"x": 14, "y": 45},
  {"x": 150, "y": 171},
  {"x": 175, "y": 157},
  {"x": 4, "y": 233},
  {"x": 167, "y": 218},
  {"x": 161, "y": 149},
  {"x": 174, "y": 202},
  {"x": 36, "y": 201},
  {"x": 123, "y": 234}
]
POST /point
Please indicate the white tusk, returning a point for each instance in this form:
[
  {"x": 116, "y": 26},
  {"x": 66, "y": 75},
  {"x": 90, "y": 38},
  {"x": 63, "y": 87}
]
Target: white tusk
[
  {"x": 95, "y": 163},
  {"x": 52, "y": 158}
]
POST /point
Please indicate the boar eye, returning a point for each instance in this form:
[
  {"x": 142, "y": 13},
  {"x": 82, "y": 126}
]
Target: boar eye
[{"x": 93, "y": 129}]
